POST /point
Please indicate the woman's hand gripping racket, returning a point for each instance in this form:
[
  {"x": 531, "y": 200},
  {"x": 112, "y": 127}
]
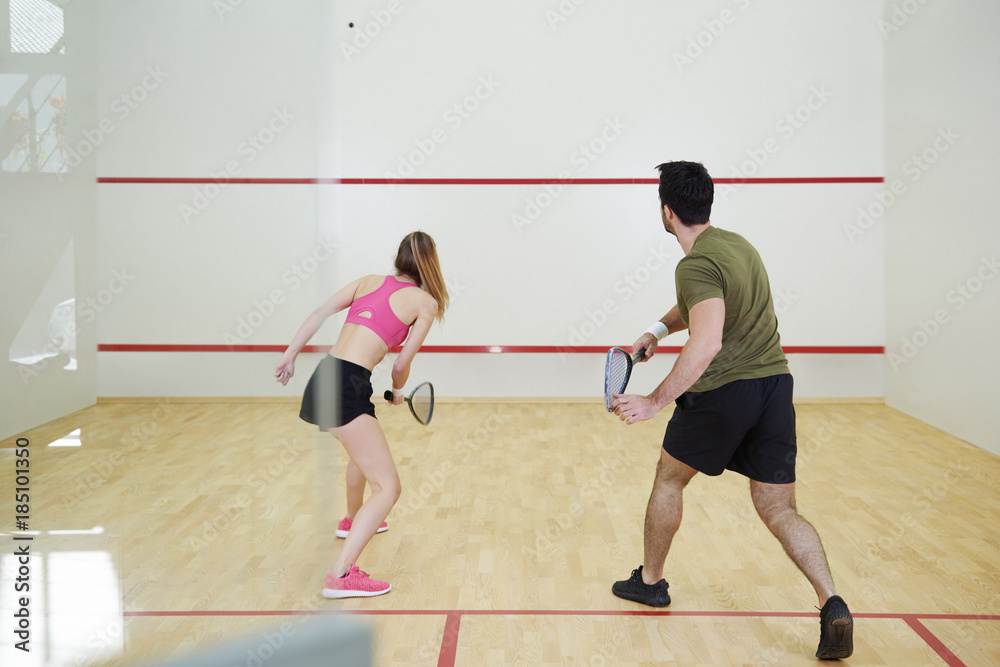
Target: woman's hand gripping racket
[
  {"x": 617, "y": 371},
  {"x": 420, "y": 400}
]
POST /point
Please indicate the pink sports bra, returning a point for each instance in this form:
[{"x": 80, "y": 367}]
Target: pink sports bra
[{"x": 380, "y": 318}]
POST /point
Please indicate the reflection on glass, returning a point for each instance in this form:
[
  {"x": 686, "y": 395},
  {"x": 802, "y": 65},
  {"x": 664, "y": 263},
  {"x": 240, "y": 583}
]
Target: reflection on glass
[
  {"x": 96, "y": 530},
  {"x": 36, "y": 26},
  {"x": 10, "y": 85},
  {"x": 34, "y": 124},
  {"x": 68, "y": 440},
  {"x": 74, "y": 603},
  {"x": 85, "y": 613},
  {"x": 49, "y": 330}
]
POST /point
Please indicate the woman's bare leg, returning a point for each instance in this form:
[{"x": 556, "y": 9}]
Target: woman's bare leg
[
  {"x": 366, "y": 445},
  {"x": 355, "y": 489}
]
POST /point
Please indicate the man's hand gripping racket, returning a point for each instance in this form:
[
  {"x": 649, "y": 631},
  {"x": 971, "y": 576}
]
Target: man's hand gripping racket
[{"x": 617, "y": 371}]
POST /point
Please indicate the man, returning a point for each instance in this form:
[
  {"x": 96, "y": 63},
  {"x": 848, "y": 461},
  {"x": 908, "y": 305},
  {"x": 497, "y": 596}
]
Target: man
[{"x": 733, "y": 395}]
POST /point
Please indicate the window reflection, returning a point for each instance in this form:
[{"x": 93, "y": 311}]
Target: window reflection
[
  {"x": 49, "y": 329},
  {"x": 36, "y": 26},
  {"x": 34, "y": 124},
  {"x": 68, "y": 440},
  {"x": 75, "y": 606}
]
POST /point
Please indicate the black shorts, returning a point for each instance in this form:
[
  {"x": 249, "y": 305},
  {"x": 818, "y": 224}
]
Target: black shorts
[
  {"x": 337, "y": 393},
  {"x": 747, "y": 426}
]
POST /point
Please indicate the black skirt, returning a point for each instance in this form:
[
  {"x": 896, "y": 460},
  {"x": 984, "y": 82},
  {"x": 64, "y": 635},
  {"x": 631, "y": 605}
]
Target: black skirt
[{"x": 337, "y": 393}]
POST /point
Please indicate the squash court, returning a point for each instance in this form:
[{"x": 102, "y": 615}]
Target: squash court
[{"x": 184, "y": 185}]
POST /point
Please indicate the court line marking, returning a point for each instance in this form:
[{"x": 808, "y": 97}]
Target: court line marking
[
  {"x": 931, "y": 640},
  {"x": 449, "y": 640},
  {"x": 560, "y": 612},
  {"x": 154, "y": 180},
  {"x": 453, "y": 618},
  {"x": 469, "y": 349}
]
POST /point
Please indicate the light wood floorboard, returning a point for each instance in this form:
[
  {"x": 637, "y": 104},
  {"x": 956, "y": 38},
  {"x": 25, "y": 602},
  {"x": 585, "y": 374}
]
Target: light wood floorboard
[{"x": 519, "y": 507}]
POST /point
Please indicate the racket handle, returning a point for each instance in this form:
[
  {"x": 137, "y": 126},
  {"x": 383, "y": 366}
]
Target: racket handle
[
  {"x": 639, "y": 355},
  {"x": 388, "y": 395}
]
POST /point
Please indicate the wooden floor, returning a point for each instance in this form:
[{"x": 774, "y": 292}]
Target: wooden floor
[{"x": 170, "y": 527}]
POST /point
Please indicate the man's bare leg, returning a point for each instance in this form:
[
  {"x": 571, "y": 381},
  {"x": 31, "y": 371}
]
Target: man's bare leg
[
  {"x": 775, "y": 503},
  {"x": 663, "y": 513}
]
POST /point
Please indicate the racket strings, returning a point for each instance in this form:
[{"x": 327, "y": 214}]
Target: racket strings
[
  {"x": 618, "y": 372},
  {"x": 422, "y": 405}
]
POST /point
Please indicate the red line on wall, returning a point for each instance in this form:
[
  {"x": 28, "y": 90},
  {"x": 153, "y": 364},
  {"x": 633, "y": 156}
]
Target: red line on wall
[
  {"x": 474, "y": 181},
  {"x": 949, "y": 658},
  {"x": 467, "y": 349}
]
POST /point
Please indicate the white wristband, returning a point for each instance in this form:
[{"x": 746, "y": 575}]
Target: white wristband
[
  {"x": 397, "y": 392},
  {"x": 658, "y": 330}
]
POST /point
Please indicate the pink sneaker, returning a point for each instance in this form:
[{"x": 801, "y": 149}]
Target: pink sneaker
[
  {"x": 356, "y": 584},
  {"x": 344, "y": 527}
]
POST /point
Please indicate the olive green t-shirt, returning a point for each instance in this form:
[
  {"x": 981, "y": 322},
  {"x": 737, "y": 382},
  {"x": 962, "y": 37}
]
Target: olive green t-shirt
[{"x": 723, "y": 264}]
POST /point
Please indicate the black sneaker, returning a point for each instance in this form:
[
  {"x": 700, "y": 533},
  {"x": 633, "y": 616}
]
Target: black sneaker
[
  {"x": 636, "y": 590},
  {"x": 836, "y": 630}
]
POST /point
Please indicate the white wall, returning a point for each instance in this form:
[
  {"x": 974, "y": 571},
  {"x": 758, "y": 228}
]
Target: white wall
[
  {"x": 48, "y": 251},
  {"x": 236, "y": 97},
  {"x": 942, "y": 238},
  {"x": 609, "y": 72}
]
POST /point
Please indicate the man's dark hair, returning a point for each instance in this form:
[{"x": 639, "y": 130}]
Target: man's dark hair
[{"x": 688, "y": 190}]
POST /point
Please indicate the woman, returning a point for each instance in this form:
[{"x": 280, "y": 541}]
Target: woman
[{"x": 384, "y": 310}]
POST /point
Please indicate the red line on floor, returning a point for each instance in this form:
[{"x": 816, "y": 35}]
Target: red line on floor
[
  {"x": 453, "y": 619},
  {"x": 561, "y": 612},
  {"x": 958, "y": 617},
  {"x": 467, "y": 349},
  {"x": 449, "y": 640},
  {"x": 950, "y": 658},
  {"x": 157, "y": 180}
]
